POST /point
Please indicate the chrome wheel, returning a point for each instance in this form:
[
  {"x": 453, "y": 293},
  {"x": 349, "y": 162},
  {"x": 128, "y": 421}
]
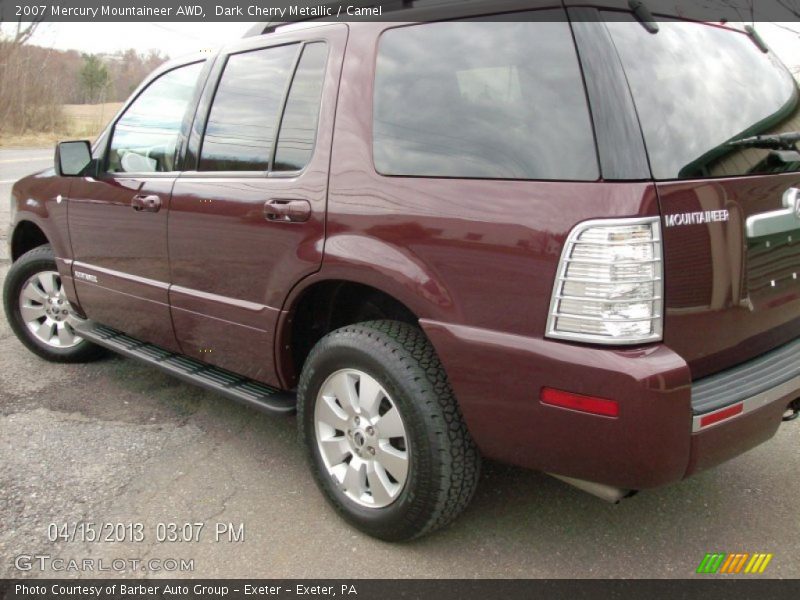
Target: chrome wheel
[
  {"x": 361, "y": 438},
  {"x": 46, "y": 311}
]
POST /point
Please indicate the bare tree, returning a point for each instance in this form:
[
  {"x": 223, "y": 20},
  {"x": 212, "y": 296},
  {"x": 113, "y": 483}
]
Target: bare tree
[
  {"x": 791, "y": 6},
  {"x": 28, "y": 100},
  {"x": 747, "y": 11},
  {"x": 24, "y": 33}
]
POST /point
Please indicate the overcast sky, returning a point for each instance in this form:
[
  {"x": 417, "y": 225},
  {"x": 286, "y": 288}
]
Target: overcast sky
[{"x": 175, "y": 39}]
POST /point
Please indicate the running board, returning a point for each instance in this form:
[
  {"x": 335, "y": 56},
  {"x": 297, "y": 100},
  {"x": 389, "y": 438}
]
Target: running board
[{"x": 235, "y": 387}]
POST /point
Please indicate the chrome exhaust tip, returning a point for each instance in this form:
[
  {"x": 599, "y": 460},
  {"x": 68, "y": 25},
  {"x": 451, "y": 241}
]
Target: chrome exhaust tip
[
  {"x": 605, "y": 492},
  {"x": 792, "y": 411}
]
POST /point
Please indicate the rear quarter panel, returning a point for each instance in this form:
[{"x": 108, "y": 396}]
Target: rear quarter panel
[
  {"x": 477, "y": 252},
  {"x": 475, "y": 260}
]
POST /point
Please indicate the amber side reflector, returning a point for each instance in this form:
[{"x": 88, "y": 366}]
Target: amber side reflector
[
  {"x": 587, "y": 404},
  {"x": 721, "y": 415}
]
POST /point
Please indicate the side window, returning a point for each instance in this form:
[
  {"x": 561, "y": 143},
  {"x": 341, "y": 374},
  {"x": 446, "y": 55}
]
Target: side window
[
  {"x": 482, "y": 99},
  {"x": 145, "y": 138},
  {"x": 243, "y": 121},
  {"x": 300, "y": 119}
]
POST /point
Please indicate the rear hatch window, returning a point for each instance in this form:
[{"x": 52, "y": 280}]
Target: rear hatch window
[{"x": 698, "y": 87}]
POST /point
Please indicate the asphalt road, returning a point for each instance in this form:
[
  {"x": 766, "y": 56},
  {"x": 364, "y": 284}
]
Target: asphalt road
[{"x": 117, "y": 442}]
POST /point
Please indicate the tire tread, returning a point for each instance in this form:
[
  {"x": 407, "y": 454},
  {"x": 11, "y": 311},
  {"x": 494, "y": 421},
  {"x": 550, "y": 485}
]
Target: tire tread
[
  {"x": 21, "y": 269},
  {"x": 459, "y": 464}
]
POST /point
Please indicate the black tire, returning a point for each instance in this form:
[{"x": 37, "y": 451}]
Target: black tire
[
  {"x": 444, "y": 461},
  {"x": 29, "y": 264}
]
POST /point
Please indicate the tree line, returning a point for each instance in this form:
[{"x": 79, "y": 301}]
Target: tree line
[{"x": 35, "y": 82}]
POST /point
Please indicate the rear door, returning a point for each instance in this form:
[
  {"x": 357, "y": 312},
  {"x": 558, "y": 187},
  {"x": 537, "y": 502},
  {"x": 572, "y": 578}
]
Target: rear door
[
  {"x": 247, "y": 219},
  {"x": 118, "y": 219},
  {"x": 731, "y": 219}
]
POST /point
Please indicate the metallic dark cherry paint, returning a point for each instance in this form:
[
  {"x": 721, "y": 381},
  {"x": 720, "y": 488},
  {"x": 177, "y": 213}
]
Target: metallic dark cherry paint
[
  {"x": 476, "y": 261},
  {"x": 473, "y": 259},
  {"x": 126, "y": 250},
  {"x": 232, "y": 268},
  {"x": 714, "y": 318}
]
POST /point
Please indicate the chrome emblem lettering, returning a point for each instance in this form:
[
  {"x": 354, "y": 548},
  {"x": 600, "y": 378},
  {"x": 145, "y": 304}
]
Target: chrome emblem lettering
[
  {"x": 696, "y": 218},
  {"x": 85, "y": 276}
]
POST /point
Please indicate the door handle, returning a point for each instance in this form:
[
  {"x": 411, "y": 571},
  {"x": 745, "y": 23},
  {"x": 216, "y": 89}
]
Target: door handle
[
  {"x": 287, "y": 211},
  {"x": 142, "y": 203}
]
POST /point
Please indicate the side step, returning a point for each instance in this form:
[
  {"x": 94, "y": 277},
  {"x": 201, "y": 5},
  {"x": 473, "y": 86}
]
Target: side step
[{"x": 235, "y": 387}]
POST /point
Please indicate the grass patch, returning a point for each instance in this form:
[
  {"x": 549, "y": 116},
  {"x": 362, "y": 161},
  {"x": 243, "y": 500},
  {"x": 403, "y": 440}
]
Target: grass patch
[{"x": 80, "y": 122}]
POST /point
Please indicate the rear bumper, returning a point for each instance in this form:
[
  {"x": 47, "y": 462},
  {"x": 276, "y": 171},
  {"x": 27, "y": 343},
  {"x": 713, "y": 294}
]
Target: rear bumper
[
  {"x": 497, "y": 378},
  {"x": 755, "y": 423}
]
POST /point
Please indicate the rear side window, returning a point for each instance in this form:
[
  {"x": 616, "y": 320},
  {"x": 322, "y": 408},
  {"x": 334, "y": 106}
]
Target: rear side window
[
  {"x": 698, "y": 87},
  {"x": 243, "y": 121},
  {"x": 478, "y": 99},
  {"x": 299, "y": 126},
  {"x": 257, "y": 113},
  {"x": 145, "y": 138}
]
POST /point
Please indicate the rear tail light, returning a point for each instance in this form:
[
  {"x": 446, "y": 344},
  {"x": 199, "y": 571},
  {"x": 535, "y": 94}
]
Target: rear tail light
[{"x": 609, "y": 287}]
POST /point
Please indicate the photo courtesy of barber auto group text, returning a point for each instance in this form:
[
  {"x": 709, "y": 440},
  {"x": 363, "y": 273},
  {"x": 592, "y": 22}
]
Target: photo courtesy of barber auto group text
[{"x": 418, "y": 299}]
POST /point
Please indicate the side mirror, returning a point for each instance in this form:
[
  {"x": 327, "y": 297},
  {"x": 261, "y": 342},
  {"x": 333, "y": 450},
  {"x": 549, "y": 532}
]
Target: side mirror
[{"x": 73, "y": 158}]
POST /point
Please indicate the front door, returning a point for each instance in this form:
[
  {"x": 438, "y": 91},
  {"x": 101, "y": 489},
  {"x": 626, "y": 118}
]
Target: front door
[
  {"x": 247, "y": 218},
  {"x": 118, "y": 220}
]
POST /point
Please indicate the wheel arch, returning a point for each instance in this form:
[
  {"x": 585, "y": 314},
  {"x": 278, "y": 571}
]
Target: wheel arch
[
  {"x": 404, "y": 287},
  {"x": 26, "y": 236},
  {"x": 323, "y": 305}
]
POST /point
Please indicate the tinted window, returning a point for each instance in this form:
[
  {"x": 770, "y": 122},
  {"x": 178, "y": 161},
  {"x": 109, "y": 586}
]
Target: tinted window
[
  {"x": 146, "y": 137},
  {"x": 482, "y": 99},
  {"x": 697, "y": 87},
  {"x": 244, "y": 116},
  {"x": 299, "y": 126}
]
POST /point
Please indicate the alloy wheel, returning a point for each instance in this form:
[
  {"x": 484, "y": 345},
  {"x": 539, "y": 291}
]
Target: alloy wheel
[
  {"x": 46, "y": 311},
  {"x": 361, "y": 438}
]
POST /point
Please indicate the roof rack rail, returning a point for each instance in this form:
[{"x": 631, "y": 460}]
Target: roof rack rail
[{"x": 387, "y": 6}]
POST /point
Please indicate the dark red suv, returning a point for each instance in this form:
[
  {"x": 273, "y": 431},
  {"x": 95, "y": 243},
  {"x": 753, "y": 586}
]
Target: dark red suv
[{"x": 564, "y": 238}]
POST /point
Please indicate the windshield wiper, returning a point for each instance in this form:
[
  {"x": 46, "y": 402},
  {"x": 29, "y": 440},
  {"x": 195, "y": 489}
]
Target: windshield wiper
[{"x": 781, "y": 141}]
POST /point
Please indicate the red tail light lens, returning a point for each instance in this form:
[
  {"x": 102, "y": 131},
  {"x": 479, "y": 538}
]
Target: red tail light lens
[{"x": 579, "y": 402}]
